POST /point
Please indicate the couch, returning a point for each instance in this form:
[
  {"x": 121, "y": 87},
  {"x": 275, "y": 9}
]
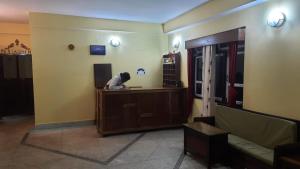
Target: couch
[{"x": 256, "y": 140}]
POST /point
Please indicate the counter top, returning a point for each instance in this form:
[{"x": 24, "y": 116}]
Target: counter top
[{"x": 130, "y": 90}]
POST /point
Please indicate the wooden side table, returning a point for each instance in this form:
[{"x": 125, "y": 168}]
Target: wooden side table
[
  {"x": 206, "y": 142},
  {"x": 290, "y": 162}
]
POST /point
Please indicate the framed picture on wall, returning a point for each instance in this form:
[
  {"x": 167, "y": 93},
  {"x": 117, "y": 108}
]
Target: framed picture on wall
[{"x": 97, "y": 50}]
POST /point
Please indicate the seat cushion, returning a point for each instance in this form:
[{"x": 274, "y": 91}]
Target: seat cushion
[{"x": 259, "y": 152}]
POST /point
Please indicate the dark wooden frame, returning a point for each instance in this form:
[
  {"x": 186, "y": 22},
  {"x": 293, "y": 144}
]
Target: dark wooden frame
[
  {"x": 285, "y": 151},
  {"x": 237, "y": 34}
]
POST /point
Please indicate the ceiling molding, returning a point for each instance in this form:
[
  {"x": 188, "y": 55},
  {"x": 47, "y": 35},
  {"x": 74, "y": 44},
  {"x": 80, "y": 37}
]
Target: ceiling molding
[
  {"x": 217, "y": 16},
  {"x": 84, "y": 29}
]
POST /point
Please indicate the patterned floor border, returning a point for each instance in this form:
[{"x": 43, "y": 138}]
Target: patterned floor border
[
  {"x": 179, "y": 161},
  {"x": 23, "y": 142}
]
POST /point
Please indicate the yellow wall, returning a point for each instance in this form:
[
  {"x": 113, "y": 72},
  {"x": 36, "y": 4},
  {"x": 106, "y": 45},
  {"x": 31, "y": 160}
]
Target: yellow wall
[
  {"x": 9, "y": 32},
  {"x": 63, "y": 80},
  {"x": 271, "y": 56}
]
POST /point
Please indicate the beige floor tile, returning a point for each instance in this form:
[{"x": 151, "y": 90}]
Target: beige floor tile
[
  {"x": 72, "y": 163},
  {"x": 34, "y": 157},
  {"x": 95, "y": 147},
  {"x": 155, "y": 150},
  {"x": 163, "y": 163},
  {"x": 189, "y": 163},
  {"x": 47, "y": 139},
  {"x": 138, "y": 165}
]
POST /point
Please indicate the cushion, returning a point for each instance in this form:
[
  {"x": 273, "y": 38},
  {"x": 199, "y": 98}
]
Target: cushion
[
  {"x": 261, "y": 129},
  {"x": 259, "y": 152}
]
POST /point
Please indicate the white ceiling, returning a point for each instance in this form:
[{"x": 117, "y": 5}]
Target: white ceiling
[{"x": 155, "y": 11}]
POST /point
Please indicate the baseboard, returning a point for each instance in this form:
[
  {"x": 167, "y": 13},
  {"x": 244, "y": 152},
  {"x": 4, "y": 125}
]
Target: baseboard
[{"x": 64, "y": 125}]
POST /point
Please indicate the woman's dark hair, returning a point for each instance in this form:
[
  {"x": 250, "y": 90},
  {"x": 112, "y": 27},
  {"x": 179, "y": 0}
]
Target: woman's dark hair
[{"x": 125, "y": 76}]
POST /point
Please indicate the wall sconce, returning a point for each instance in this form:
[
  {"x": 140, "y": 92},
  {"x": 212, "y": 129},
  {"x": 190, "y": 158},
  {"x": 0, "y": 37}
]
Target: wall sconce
[
  {"x": 176, "y": 43},
  {"x": 115, "y": 42},
  {"x": 276, "y": 19}
]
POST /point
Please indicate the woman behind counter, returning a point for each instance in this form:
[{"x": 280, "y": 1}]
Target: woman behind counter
[{"x": 117, "y": 81}]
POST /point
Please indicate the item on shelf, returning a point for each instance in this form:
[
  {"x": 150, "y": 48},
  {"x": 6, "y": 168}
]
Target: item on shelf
[{"x": 171, "y": 70}]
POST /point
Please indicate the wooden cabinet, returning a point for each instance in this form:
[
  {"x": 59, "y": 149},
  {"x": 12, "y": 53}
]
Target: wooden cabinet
[
  {"x": 206, "y": 142},
  {"x": 139, "y": 109}
]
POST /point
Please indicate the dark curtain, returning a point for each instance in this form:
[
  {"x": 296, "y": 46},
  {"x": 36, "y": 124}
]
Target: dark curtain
[
  {"x": 191, "y": 75},
  {"x": 232, "y": 93}
]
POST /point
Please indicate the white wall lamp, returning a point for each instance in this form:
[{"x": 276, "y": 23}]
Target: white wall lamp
[
  {"x": 276, "y": 19},
  {"x": 115, "y": 42},
  {"x": 176, "y": 43}
]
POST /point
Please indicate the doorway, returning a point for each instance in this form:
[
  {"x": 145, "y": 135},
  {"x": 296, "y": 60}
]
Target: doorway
[{"x": 16, "y": 83}]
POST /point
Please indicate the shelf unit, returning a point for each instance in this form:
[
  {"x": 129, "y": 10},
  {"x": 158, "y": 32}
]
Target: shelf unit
[{"x": 171, "y": 70}]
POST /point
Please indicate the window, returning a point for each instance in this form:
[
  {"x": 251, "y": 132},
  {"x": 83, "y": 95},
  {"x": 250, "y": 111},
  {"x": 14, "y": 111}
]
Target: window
[
  {"x": 222, "y": 75},
  {"x": 222, "y": 64},
  {"x": 198, "y": 80},
  {"x": 216, "y": 68},
  {"x": 198, "y": 76}
]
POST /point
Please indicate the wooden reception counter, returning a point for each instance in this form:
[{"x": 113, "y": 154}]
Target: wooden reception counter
[{"x": 120, "y": 111}]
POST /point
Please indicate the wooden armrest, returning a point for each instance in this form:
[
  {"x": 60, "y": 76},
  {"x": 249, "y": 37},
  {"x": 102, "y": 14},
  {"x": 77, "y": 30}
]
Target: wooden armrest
[
  {"x": 285, "y": 150},
  {"x": 208, "y": 120}
]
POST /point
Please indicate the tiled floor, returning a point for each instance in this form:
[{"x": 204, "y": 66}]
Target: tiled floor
[{"x": 82, "y": 148}]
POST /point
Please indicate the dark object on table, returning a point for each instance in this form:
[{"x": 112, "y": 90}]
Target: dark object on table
[{"x": 102, "y": 74}]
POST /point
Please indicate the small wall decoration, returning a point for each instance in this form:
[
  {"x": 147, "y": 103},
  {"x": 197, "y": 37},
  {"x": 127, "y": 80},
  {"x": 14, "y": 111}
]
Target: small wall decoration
[
  {"x": 16, "y": 48},
  {"x": 71, "y": 47},
  {"x": 97, "y": 50},
  {"x": 140, "y": 72}
]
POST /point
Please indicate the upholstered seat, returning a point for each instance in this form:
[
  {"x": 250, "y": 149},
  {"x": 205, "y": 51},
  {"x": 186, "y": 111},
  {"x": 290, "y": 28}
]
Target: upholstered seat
[
  {"x": 255, "y": 150},
  {"x": 255, "y": 134}
]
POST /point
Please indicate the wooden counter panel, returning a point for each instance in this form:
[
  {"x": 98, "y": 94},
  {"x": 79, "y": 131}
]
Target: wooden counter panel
[
  {"x": 117, "y": 105},
  {"x": 153, "y": 109},
  {"x": 135, "y": 110}
]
